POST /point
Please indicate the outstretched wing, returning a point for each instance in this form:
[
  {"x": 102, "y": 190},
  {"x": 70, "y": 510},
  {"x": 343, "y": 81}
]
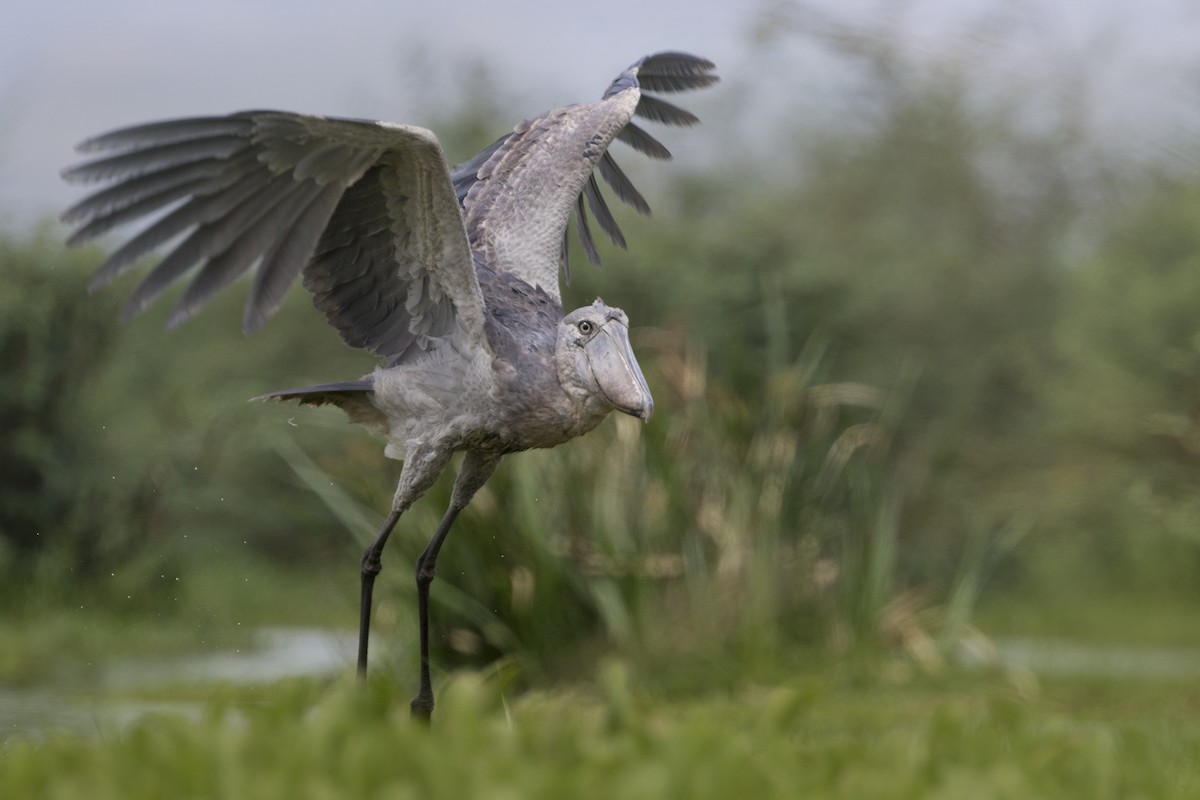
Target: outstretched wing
[
  {"x": 366, "y": 210},
  {"x": 518, "y": 193}
]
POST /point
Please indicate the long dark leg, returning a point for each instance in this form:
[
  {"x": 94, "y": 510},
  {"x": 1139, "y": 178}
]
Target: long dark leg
[
  {"x": 476, "y": 469},
  {"x": 422, "y": 466},
  {"x": 371, "y": 565},
  {"x": 422, "y": 704}
]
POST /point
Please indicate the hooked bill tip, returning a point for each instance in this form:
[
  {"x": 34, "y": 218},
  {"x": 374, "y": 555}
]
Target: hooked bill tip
[{"x": 644, "y": 413}]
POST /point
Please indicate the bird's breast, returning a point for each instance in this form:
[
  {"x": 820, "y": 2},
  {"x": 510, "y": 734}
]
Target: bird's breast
[{"x": 535, "y": 411}]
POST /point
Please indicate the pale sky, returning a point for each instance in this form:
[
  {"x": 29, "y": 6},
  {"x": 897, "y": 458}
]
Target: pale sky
[{"x": 72, "y": 68}]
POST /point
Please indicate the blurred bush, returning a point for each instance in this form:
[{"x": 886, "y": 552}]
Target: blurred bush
[
  {"x": 120, "y": 449},
  {"x": 56, "y": 498},
  {"x": 1125, "y": 418}
]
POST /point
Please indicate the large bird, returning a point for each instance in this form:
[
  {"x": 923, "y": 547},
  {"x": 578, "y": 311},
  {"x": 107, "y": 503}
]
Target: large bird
[{"x": 449, "y": 276}]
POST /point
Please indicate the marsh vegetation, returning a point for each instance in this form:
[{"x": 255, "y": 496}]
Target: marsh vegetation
[{"x": 925, "y": 380}]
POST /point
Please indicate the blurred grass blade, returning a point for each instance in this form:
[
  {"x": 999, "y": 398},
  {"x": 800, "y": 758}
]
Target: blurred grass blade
[{"x": 360, "y": 521}]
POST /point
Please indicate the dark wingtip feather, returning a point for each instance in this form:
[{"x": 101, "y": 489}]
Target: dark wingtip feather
[
  {"x": 585, "y": 232},
  {"x": 566, "y": 258},
  {"x": 615, "y": 177},
  {"x": 117, "y": 264},
  {"x": 657, "y": 110},
  {"x": 98, "y": 281},
  {"x": 133, "y": 306},
  {"x": 80, "y": 236},
  {"x": 166, "y": 132},
  {"x": 253, "y": 320},
  {"x": 676, "y": 60},
  {"x": 668, "y": 71},
  {"x": 68, "y": 174},
  {"x": 608, "y": 223},
  {"x": 644, "y": 143},
  {"x": 673, "y": 71},
  {"x": 180, "y": 315},
  {"x": 152, "y": 158}
]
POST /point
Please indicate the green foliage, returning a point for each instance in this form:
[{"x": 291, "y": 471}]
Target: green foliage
[
  {"x": 1145, "y": 375},
  {"x": 125, "y": 480},
  {"x": 925, "y": 249},
  {"x": 56, "y": 493},
  {"x": 811, "y": 736},
  {"x": 1126, "y": 413},
  {"x": 895, "y": 383},
  {"x": 660, "y": 553}
]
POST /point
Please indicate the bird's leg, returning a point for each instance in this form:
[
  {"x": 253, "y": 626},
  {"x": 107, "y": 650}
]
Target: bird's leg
[
  {"x": 477, "y": 467},
  {"x": 371, "y": 565},
  {"x": 422, "y": 466},
  {"x": 422, "y": 704}
]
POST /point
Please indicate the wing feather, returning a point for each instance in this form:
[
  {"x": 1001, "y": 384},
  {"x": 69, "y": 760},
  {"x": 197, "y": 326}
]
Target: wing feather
[
  {"x": 675, "y": 72},
  {"x": 367, "y": 211},
  {"x": 217, "y": 223},
  {"x": 518, "y": 193},
  {"x": 644, "y": 143},
  {"x": 154, "y": 158},
  {"x": 169, "y": 131},
  {"x": 600, "y": 210},
  {"x": 585, "y": 232},
  {"x": 385, "y": 236},
  {"x": 615, "y": 177},
  {"x": 206, "y": 205},
  {"x": 124, "y": 195},
  {"x": 651, "y": 108},
  {"x": 115, "y": 217}
]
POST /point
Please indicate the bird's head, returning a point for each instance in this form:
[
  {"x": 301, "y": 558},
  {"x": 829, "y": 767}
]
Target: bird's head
[{"x": 596, "y": 362}]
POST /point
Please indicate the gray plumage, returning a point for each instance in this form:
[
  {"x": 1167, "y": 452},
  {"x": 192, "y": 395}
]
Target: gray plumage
[{"x": 450, "y": 277}]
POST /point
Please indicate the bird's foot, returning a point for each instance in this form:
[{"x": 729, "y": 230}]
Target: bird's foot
[{"x": 422, "y": 706}]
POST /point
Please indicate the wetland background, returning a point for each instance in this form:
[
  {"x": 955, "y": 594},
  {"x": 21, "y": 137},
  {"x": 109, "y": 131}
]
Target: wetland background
[{"x": 927, "y": 374}]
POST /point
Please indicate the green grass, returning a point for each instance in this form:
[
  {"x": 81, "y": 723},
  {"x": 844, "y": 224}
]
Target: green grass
[
  {"x": 1121, "y": 618},
  {"x": 824, "y": 733}
]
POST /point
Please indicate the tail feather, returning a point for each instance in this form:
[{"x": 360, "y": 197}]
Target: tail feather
[{"x": 353, "y": 397}]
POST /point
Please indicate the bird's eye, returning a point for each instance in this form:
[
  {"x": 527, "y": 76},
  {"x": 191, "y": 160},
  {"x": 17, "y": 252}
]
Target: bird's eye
[{"x": 586, "y": 327}]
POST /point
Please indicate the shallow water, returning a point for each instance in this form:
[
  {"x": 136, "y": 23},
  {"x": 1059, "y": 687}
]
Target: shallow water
[
  {"x": 278, "y": 653},
  {"x": 292, "y": 652},
  {"x": 1064, "y": 658}
]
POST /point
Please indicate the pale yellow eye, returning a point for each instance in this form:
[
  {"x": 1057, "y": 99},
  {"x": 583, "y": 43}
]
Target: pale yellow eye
[{"x": 586, "y": 327}]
